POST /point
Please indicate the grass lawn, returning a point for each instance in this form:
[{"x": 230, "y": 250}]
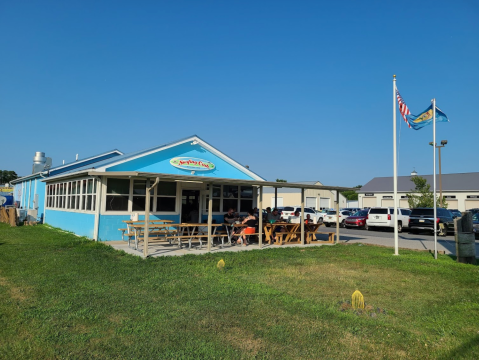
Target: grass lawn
[{"x": 66, "y": 297}]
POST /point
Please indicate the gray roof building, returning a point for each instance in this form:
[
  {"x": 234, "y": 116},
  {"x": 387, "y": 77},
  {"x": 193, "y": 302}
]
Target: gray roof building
[{"x": 450, "y": 182}]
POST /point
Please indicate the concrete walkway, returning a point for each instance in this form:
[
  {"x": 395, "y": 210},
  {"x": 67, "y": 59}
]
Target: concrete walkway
[
  {"x": 157, "y": 250},
  {"x": 406, "y": 241}
]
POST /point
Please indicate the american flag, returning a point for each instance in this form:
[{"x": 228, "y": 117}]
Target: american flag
[{"x": 403, "y": 109}]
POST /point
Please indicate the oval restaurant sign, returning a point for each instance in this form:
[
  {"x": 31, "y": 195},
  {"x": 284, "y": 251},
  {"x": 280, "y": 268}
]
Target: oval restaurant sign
[{"x": 187, "y": 163}]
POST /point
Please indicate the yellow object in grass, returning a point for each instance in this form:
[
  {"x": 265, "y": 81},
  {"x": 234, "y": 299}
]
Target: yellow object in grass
[
  {"x": 221, "y": 264},
  {"x": 357, "y": 300}
]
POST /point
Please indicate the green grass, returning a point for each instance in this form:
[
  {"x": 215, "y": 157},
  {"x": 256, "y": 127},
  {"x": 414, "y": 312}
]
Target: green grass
[{"x": 66, "y": 297}]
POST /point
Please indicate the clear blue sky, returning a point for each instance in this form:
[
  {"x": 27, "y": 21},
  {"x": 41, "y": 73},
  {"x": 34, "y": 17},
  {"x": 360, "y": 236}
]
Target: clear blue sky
[{"x": 299, "y": 90}]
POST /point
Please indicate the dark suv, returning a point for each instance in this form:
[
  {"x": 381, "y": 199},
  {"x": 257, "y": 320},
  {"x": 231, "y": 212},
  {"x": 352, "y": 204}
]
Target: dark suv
[{"x": 423, "y": 219}]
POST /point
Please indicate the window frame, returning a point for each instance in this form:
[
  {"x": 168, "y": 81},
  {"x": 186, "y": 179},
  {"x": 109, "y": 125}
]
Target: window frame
[{"x": 59, "y": 195}]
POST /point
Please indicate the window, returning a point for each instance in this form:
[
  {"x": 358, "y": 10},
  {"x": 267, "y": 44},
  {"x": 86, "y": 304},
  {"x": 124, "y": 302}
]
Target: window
[
  {"x": 246, "y": 202},
  {"x": 72, "y": 195},
  {"x": 139, "y": 195},
  {"x": 117, "y": 194},
  {"x": 378, "y": 211},
  {"x": 216, "y": 198},
  {"x": 230, "y": 196},
  {"x": 166, "y": 196}
]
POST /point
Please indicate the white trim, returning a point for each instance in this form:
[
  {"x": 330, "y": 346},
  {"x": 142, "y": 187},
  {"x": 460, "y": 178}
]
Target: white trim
[
  {"x": 84, "y": 160},
  {"x": 96, "y": 225},
  {"x": 193, "y": 138},
  {"x": 68, "y": 196}
]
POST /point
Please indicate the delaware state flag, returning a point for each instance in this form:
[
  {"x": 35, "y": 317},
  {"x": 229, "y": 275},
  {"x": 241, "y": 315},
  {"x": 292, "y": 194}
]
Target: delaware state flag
[{"x": 425, "y": 118}]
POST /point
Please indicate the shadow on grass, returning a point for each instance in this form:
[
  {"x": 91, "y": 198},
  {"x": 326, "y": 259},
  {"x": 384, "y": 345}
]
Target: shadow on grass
[{"x": 464, "y": 351}]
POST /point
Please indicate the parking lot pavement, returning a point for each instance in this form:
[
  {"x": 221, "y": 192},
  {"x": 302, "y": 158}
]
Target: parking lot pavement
[{"x": 406, "y": 240}]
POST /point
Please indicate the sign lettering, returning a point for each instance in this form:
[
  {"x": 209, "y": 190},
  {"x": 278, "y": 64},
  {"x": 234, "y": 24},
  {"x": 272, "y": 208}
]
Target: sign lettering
[{"x": 192, "y": 164}]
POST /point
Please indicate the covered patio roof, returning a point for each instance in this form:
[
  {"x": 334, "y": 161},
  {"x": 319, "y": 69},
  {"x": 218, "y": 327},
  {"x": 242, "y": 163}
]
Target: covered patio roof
[{"x": 208, "y": 180}]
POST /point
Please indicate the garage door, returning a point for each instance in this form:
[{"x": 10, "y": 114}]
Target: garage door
[
  {"x": 403, "y": 203},
  {"x": 387, "y": 203},
  {"x": 452, "y": 203},
  {"x": 311, "y": 202},
  {"x": 369, "y": 202},
  {"x": 324, "y": 203},
  {"x": 471, "y": 204},
  {"x": 280, "y": 201}
]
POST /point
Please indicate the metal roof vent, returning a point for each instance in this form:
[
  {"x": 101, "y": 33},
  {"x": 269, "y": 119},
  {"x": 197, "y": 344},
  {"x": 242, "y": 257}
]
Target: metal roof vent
[{"x": 40, "y": 162}]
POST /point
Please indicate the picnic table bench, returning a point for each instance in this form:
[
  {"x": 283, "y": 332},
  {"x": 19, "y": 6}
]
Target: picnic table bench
[{"x": 310, "y": 232}]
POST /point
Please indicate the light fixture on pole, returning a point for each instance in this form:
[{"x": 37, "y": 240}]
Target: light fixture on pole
[{"x": 443, "y": 143}]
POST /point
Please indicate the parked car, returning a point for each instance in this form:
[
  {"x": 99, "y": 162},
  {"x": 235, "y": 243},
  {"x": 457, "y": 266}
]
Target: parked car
[
  {"x": 290, "y": 210},
  {"x": 322, "y": 214},
  {"x": 352, "y": 210},
  {"x": 474, "y": 211},
  {"x": 384, "y": 217},
  {"x": 358, "y": 219},
  {"x": 319, "y": 215},
  {"x": 456, "y": 213},
  {"x": 330, "y": 218},
  {"x": 475, "y": 225},
  {"x": 423, "y": 219}
]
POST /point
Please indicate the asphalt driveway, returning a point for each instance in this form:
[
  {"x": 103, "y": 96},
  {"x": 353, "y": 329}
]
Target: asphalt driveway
[{"x": 385, "y": 237}]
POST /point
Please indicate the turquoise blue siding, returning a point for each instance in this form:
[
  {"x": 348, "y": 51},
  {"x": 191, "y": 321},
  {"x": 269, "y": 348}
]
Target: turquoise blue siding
[
  {"x": 219, "y": 218},
  {"x": 159, "y": 162},
  {"x": 109, "y": 224},
  {"x": 41, "y": 198},
  {"x": 78, "y": 223},
  {"x": 27, "y": 196},
  {"x": 17, "y": 193}
]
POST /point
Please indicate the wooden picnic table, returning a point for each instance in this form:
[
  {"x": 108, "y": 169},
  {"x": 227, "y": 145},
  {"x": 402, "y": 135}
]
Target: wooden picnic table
[
  {"x": 130, "y": 232},
  {"x": 163, "y": 230},
  {"x": 291, "y": 233},
  {"x": 290, "y": 228},
  {"x": 194, "y": 231}
]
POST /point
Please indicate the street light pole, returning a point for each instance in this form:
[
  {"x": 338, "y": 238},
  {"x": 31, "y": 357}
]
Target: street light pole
[{"x": 443, "y": 143}]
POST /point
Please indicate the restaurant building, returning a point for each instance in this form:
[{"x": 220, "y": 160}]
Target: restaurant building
[
  {"x": 179, "y": 178},
  {"x": 460, "y": 190},
  {"x": 29, "y": 191}
]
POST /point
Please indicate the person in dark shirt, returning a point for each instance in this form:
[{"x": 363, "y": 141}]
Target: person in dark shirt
[{"x": 230, "y": 216}]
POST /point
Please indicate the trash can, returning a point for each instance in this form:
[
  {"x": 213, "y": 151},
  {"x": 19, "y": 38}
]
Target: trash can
[{"x": 465, "y": 239}]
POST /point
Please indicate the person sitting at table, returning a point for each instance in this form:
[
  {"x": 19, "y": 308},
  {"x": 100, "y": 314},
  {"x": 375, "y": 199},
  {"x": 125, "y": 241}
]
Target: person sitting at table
[
  {"x": 265, "y": 216},
  {"x": 230, "y": 216},
  {"x": 295, "y": 219},
  {"x": 250, "y": 228},
  {"x": 308, "y": 220},
  {"x": 273, "y": 216}
]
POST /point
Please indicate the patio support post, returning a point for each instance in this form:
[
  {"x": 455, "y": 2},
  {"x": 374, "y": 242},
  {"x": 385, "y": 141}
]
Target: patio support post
[
  {"x": 301, "y": 218},
  {"x": 337, "y": 216},
  {"x": 260, "y": 214},
  {"x": 146, "y": 235},
  {"x": 275, "y": 197},
  {"x": 210, "y": 216}
]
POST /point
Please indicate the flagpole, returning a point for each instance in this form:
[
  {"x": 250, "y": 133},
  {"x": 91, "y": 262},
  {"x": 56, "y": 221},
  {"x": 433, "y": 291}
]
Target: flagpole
[
  {"x": 395, "y": 181},
  {"x": 434, "y": 176}
]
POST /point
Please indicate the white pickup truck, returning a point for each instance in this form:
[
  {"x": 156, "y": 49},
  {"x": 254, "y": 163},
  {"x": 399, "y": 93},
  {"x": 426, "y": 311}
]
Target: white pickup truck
[{"x": 384, "y": 217}]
